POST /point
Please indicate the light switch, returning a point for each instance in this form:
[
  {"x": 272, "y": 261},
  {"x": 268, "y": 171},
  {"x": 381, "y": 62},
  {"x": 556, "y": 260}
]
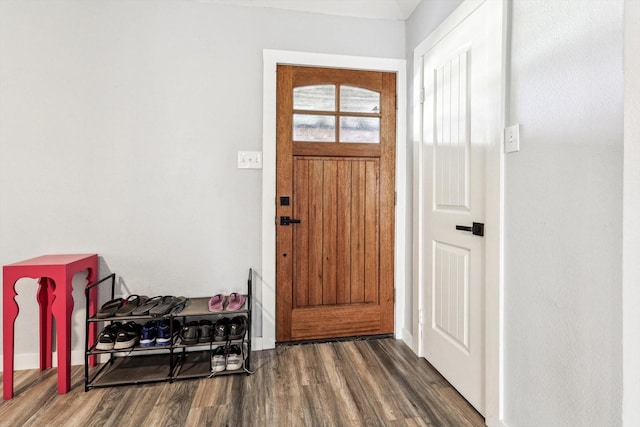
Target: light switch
[
  {"x": 249, "y": 159},
  {"x": 512, "y": 139}
]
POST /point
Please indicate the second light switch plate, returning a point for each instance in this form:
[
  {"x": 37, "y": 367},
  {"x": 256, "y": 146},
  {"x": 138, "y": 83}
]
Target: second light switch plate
[{"x": 249, "y": 159}]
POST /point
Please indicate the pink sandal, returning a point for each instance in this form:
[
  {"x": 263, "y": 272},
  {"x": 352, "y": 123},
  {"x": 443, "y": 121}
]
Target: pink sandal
[
  {"x": 236, "y": 301},
  {"x": 216, "y": 303}
]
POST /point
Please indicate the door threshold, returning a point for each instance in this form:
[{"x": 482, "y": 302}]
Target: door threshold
[{"x": 339, "y": 339}]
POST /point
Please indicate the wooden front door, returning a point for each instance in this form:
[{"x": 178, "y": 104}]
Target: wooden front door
[{"x": 335, "y": 203}]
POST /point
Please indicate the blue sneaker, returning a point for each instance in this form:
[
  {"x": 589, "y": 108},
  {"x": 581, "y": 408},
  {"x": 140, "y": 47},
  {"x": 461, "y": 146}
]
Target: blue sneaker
[
  {"x": 148, "y": 334},
  {"x": 164, "y": 332}
]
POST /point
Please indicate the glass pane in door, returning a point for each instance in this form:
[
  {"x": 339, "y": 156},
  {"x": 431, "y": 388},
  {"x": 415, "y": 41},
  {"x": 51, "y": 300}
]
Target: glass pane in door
[
  {"x": 315, "y": 98},
  {"x": 314, "y": 128},
  {"x": 360, "y": 129},
  {"x": 358, "y": 100}
]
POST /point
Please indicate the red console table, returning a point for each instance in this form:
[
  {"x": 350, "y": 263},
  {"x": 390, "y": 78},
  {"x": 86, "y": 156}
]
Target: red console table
[{"x": 55, "y": 274}]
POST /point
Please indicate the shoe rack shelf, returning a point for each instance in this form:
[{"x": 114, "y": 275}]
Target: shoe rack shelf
[{"x": 176, "y": 361}]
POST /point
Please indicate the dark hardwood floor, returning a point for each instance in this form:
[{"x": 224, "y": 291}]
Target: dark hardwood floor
[{"x": 355, "y": 383}]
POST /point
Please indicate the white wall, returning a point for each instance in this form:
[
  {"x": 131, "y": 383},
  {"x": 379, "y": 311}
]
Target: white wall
[
  {"x": 424, "y": 19},
  {"x": 120, "y": 124},
  {"x": 631, "y": 215},
  {"x": 563, "y": 354}
]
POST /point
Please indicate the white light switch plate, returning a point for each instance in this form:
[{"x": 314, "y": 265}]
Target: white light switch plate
[
  {"x": 512, "y": 139},
  {"x": 249, "y": 159}
]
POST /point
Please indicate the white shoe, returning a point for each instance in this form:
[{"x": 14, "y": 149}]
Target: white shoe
[
  {"x": 218, "y": 362},
  {"x": 234, "y": 358}
]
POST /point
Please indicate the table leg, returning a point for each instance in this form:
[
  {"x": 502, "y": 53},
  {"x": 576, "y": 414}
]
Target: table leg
[
  {"x": 9, "y": 315},
  {"x": 44, "y": 296},
  {"x": 62, "y": 308},
  {"x": 92, "y": 276}
]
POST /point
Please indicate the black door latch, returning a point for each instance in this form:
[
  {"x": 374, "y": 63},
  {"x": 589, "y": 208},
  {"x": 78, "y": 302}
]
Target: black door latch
[
  {"x": 477, "y": 228},
  {"x": 285, "y": 220}
]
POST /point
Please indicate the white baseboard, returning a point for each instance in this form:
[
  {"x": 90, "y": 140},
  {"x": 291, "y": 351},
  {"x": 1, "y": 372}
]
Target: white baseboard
[
  {"x": 407, "y": 337},
  {"x": 495, "y": 423},
  {"x": 32, "y": 360},
  {"x": 256, "y": 344}
]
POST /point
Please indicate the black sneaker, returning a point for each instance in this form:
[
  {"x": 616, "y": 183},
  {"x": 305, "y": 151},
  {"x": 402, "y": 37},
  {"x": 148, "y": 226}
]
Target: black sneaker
[
  {"x": 221, "y": 330},
  {"x": 237, "y": 327},
  {"x": 206, "y": 327},
  {"x": 128, "y": 336},
  {"x": 190, "y": 333},
  {"x": 107, "y": 337}
]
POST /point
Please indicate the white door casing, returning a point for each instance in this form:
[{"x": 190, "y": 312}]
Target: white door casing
[
  {"x": 266, "y": 298},
  {"x": 458, "y": 181}
]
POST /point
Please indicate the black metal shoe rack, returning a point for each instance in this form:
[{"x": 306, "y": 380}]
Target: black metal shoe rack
[{"x": 140, "y": 365}]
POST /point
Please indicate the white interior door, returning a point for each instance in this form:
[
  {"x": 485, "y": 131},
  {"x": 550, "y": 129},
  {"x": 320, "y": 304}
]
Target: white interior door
[{"x": 455, "y": 140}]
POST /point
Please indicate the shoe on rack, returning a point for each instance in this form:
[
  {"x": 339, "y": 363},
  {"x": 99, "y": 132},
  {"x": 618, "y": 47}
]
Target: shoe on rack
[
  {"x": 221, "y": 329},
  {"x": 149, "y": 334},
  {"x": 165, "y": 306},
  {"x": 190, "y": 333},
  {"x": 165, "y": 332},
  {"x": 109, "y": 308},
  {"x": 235, "y": 301},
  {"x": 144, "y": 308},
  {"x": 218, "y": 360},
  {"x": 216, "y": 303},
  {"x": 206, "y": 327},
  {"x": 234, "y": 358},
  {"x": 128, "y": 336},
  {"x": 237, "y": 327},
  {"x": 131, "y": 303},
  {"x": 107, "y": 337},
  {"x": 181, "y": 303}
]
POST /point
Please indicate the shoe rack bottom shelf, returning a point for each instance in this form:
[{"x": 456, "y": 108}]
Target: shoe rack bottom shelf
[
  {"x": 153, "y": 368},
  {"x": 133, "y": 370},
  {"x": 197, "y": 364}
]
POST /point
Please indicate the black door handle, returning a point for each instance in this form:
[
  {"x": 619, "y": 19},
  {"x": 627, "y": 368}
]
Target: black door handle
[
  {"x": 477, "y": 228},
  {"x": 285, "y": 220}
]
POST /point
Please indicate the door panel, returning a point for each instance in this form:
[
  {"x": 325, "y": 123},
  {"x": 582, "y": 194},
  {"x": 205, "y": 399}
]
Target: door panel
[
  {"x": 337, "y": 203},
  {"x": 451, "y": 151},
  {"x": 335, "y": 267},
  {"x": 451, "y": 293}
]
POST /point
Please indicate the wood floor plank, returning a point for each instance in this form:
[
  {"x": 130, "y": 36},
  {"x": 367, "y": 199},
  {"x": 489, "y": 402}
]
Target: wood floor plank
[
  {"x": 354, "y": 383},
  {"x": 39, "y": 386},
  {"x": 206, "y": 395},
  {"x": 390, "y": 392},
  {"x": 104, "y": 406},
  {"x": 335, "y": 375},
  {"x": 355, "y": 370},
  {"x": 171, "y": 408},
  {"x": 411, "y": 422}
]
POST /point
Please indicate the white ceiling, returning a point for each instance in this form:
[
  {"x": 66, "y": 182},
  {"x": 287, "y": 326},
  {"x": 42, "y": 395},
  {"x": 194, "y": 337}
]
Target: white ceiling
[{"x": 376, "y": 9}]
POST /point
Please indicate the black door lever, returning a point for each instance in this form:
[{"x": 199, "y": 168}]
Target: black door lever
[
  {"x": 477, "y": 228},
  {"x": 285, "y": 220}
]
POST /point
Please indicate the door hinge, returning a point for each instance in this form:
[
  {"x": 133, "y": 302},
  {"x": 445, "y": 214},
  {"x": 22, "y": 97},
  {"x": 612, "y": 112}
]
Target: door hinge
[
  {"x": 421, "y": 95},
  {"x": 394, "y": 295},
  {"x": 395, "y": 198}
]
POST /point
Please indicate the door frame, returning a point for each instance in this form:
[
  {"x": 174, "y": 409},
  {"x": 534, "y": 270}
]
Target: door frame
[
  {"x": 498, "y": 15},
  {"x": 267, "y": 290}
]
